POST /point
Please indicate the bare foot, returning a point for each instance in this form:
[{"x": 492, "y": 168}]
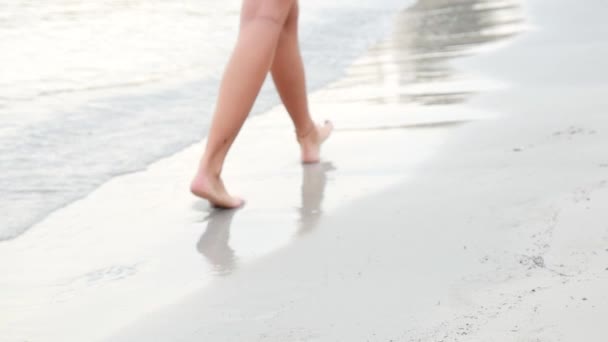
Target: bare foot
[
  {"x": 212, "y": 189},
  {"x": 310, "y": 142}
]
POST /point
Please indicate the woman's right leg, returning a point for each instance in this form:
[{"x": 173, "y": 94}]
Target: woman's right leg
[{"x": 261, "y": 25}]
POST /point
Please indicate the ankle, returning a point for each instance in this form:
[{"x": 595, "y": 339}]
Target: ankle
[
  {"x": 305, "y": 132},
  {"x": 210, "y": 166},
  {"x": 207, "y": 171}
]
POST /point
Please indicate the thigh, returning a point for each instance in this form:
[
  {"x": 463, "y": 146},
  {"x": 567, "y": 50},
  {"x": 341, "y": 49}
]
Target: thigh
[
  {"x": 291, "y": 23},
  {"x": 273, "y": 10}
]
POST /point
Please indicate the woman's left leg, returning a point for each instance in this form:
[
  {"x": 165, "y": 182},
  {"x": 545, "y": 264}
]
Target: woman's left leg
[{"x": 289, "y": 78}]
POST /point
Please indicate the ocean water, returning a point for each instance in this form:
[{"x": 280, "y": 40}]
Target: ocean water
[{"x": 93, "y": 89}]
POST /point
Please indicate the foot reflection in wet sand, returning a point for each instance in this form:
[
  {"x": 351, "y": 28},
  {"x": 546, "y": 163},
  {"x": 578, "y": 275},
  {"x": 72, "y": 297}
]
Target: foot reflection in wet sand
[
  {"x": 214, "y": 244},
  {"x": 314, "y": 180}
]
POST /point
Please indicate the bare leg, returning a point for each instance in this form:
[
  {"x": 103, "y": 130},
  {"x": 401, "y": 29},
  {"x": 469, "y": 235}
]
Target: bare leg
[
  {"x": 261, "y": 25},
  {"x": 288, "y": 75}
]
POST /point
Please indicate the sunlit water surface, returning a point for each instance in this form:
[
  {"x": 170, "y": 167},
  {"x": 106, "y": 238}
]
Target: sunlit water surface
[{"x": 93, "y": 89}]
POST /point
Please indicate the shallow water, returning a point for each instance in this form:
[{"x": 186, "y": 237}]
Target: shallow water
[{"x": 91, "y": 90}]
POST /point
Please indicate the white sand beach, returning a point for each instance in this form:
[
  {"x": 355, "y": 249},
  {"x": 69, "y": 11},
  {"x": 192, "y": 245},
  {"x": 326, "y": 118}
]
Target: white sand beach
[{"x": 482, "y": 217}]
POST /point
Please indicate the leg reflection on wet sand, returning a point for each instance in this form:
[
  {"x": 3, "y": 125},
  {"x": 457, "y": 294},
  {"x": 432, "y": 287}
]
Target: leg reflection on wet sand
[
  {"x": 214, "y": 244},
  {"x": 314, "y": 180}
]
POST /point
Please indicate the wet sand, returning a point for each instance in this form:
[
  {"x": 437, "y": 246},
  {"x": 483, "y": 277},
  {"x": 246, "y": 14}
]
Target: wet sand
[{"x": 456, "y": 202}]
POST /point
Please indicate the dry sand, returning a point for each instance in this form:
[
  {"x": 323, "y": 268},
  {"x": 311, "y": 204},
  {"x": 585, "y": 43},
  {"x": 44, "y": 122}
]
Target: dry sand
[{"x": 483, "y": 220}]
